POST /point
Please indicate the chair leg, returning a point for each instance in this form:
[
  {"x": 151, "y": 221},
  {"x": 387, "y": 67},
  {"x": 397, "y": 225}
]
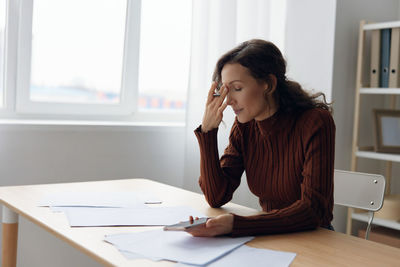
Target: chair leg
[{"x": 371, "y": 217}]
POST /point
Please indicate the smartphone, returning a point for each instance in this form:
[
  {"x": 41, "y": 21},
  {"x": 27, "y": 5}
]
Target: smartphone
[{"x": 182, "y": 226}]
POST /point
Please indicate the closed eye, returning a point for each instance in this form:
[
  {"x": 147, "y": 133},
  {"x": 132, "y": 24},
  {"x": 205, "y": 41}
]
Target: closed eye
[{"x": 238, "y": 89}]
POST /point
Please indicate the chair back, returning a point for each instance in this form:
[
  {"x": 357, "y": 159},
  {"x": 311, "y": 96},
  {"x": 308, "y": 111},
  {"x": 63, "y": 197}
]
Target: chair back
[{"x": 359, "y": 190}]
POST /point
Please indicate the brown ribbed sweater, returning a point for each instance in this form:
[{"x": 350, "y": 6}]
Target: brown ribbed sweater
[{"x": 288, "y": 161}]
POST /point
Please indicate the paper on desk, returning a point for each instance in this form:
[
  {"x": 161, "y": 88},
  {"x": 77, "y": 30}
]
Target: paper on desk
[
  {"x": 99, "y": 199},
  {"x": 65, "y": 208},
  {"x": 133, "y": 256},
  {"x": 254, "y": 257},
  {"x": 116, "y": 239},
  {"x": 155, "y": 216},
  {"x": 176, "y": 246}
]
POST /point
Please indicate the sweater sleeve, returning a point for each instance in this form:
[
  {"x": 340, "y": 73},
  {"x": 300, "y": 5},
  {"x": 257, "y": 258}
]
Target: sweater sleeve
[
  {"x": 219, "y": 178},
  {"x": 314, "y": 207}
]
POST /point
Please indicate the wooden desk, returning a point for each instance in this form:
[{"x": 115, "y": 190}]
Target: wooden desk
[{"x": 315, "y": 248}]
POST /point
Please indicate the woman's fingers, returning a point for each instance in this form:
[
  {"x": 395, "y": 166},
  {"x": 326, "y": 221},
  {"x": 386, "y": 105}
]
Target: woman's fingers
[
  {"x": 215, "y": 106},
  {"x": 210, "y": 96},
  {"x": 222, "y": 107},
  {"x": 224, "y": 92}
]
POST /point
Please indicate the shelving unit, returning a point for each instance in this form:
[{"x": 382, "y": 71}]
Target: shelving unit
[
  {"x": 378, "y": 156},
  {"x": 358, "y": 152},
  {"x": 380, "y": 91},
  {"x": 377, "y": 221}
]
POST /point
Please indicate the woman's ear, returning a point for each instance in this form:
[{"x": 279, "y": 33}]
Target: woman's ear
[{"x": 270, "y": 85}]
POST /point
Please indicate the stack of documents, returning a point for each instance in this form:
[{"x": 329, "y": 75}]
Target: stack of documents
[
  {"x": 89, "y": 209},
  {"x": 196, "y": 251}
]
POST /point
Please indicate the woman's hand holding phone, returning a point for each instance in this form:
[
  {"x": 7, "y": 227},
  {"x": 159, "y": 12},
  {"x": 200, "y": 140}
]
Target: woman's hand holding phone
[
  {"x": 220, "y": 225},
  {"x": 183, "y": 226}
]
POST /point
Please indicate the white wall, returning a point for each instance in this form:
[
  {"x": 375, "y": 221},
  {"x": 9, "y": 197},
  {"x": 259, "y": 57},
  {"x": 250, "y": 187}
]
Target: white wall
[
  {"x": 52, "y": 154},
  {"x": 309, "y": 43}
]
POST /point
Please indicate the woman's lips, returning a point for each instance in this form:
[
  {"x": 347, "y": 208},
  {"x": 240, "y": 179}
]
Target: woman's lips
[{"x": 237, "y": 111}]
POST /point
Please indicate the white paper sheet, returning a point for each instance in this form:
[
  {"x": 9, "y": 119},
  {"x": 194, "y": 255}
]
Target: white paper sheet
[
  {"x": 65, "y": 208},
  {"x": 99, "y": 199},
  {"x": 176, "y": 246},
  {"x": 116, "y": 239},
  {"x": 155, "y": 216},
  {"x": 133, "y": 256},
  {"x": 254, "y": 257}
]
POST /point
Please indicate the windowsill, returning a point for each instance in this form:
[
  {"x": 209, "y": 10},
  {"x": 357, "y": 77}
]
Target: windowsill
[
  {"x": 89, "y": 123},
  {"x": 140, "y": 120}
]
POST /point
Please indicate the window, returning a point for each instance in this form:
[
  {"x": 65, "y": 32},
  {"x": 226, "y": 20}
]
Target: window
[
  {"x": 77, "y": 60},
  {"x": 81, "y": 59},
  {"x": 2, "y": 48},
  {"x": 164, "y": 54},
  {"x": 77, "y": 66}
]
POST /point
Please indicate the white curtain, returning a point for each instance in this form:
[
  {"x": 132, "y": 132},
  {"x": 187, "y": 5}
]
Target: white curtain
[{"x": 218, "y": 26}]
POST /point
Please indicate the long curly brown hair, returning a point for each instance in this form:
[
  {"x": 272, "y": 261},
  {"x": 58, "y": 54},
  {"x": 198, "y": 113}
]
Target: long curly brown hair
[{"x": 263, "y": 58}]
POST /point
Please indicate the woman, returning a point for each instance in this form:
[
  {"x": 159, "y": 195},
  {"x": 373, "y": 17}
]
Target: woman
[{"x": 282, "y": 137}]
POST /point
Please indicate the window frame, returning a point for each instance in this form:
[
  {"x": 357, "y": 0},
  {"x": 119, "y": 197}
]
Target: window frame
[
  {"x": 129, "y": 84},
  {"x": 18, "y": 107},
  {"x": 3, "y": 63},
  {"x": 10, "y": 56}
]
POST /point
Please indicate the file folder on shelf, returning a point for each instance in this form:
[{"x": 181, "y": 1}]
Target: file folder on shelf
[
  {"x": 385, "y": 58},
  {"x": 375, "y": 58},
  {"x": 394, "y": 59}
]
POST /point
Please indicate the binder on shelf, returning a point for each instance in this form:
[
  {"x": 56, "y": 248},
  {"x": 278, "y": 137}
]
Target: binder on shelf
[
  {"x": 394, "y": 78},
  {"x": 385, "y": 58},
  {"x": 375, "y": 58}
]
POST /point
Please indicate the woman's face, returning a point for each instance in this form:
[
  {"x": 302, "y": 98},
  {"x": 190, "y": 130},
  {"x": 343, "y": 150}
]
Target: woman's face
[{"x": 246, "y": 94}]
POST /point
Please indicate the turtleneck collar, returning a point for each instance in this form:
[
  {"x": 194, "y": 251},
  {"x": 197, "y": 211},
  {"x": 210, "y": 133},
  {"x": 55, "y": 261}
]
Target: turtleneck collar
[
  {"x": 270, "y": 121},
  {"x": 278, "y": 121},
  {"x": 273, "y": 123}
]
